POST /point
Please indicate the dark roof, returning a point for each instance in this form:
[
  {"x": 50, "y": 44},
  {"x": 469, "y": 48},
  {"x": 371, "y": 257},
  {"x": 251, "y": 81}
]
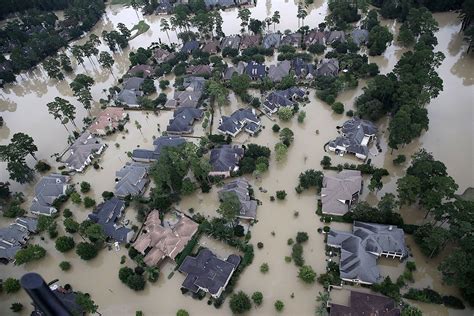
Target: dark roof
[
  {"x": 293, "y": 39},
  {"x": 225, "y": 158},
  {"x": 302, "y": 68},
  {"x": 107, "y": 215},
  {"x": 364, "y": 304},
  {"x": 68, "y": 298},
  {"x": 211, "y": 47},
  {"x": 232, "y": 41},
  {"x": 183, "y": 120},
  {"x": 328, "y": 67},
  {"x": 131, "y": 179},
  {"x": 250, "y": 41},
  {"x": 159, "y": 143},
  {"x": 238, "y": 120},
  {"x": 272, "y": 40},
  {"x": 360, "y": 36},
  {"x": 314, "y": 37},
  {"x": 240, "y": 187},
  {"x": 255, "y": 70},
  {"x": 190, "y": 47},
  {"x": 207, "y": 271}
]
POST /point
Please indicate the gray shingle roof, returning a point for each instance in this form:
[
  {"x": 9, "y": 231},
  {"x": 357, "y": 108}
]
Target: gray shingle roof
[
  {"x": 226, "y": 158},
  {"x": 159, "y": 143},
  {"x": 232, "y": 125},
  {"x": 354, "y": 138},
  {"x": 303, "y": 69},
  {"x": 277, "y": 72},
  {"x": 335, "y": 36},
  {"x": 360, "y": 36},
  {"x": 47, "y": 190},
  {"x": 133, "y": 83},
  {"x": 255, "y": 70},
  {"x": 239, "y": 69},
  {"x": 240, "y": 187},
  {"x": 107, "y": 215},
  {"x": 293, "y": 39},
  {"x": 208, "y": 272},
  {"x": 272, "y": 40},
  {"x": 131, "y": 179},
  {"x": 231, "y": 42},
  {"x": 183, "y": 120},
  {"x": 250, "y": 41},
  {"x": 328, "y": 67},
  {"x": 339, "y": 190},
  {"x": 314, "y": 37},
  {"x": 282, "y": 98},
  {"x": 13, "y": 237},
  {"x": 190, "y": 47},
  {"x": 366, "y": 304},
  {"x": 81, "y": 152}
]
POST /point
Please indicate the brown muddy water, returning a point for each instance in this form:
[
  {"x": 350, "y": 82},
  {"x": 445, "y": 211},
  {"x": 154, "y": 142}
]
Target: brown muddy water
[{"x": 23, "y": 106}]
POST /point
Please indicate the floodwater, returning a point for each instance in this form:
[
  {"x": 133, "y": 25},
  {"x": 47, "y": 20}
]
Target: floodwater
[{"x": 23, "y": 106}]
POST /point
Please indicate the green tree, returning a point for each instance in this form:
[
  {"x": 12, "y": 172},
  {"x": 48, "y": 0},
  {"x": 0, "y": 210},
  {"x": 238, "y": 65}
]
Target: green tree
[
  {"x": 229, "y": 207},
  {"x": 379, "y": 37},
  {"x": 338, "y": 107},
  {"x": 244, "y": 16},
  {"x": 279, "y": 306},
  {"x": 11, "y": 285},
  {"x": 218, "y": 92},
  {"x": 28, "y": 254},
  {"x": 86, "y": 251},
  {"x": 16, "y": 307},
  {"x": 70, "y": 225},
  {"x": 65, "y": 265},
  {"x": 281, "y": 151},
  {"x": 65, "y": 63},
  {"x": 85, "y": 187},
  {"x": 64, "y": 243},
  {"x": 165, "y": 27},
  {"x": 275, "y": 18},
  {"x": 88, "y": 202},
  {"x": 307, "y": 274},
  {"x": 240, "y": 303},
  {"x": 182, "y": 312},
  {"x": 411, "y": 311},
  {"x": 24, "y": 145},
  {"x": 301, "y": 116},
  {"x": 107, "y": 61},
  {"x": 286, "y": 136},
  {"x": 285, "y": 113},
  {"x": 257, "y": 298},
  {"x": 85, "y": 301},
  {"x": 95, "y": 233},
  {"x": 240, "y": 83},
  {"x": 53, "y": 68},
  {"x": 264, "y": 267}
]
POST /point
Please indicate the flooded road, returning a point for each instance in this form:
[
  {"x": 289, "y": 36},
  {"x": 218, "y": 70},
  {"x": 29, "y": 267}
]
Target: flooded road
[{"x": 23, "y": 107}]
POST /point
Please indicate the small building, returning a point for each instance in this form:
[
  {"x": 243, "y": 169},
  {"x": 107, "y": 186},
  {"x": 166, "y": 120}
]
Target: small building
[
  {"x": 361, "y": 248},
  {"x": 190, "y": 96},
  {"x": 303, "y": 70},
  {"x": 340, "y": 192},
  {"x": 328, "y": 67},
  {"x": 47, "y": 190},
  {"x": 356, "y": 136},
  {"x": 230, "y": 71},
  {"x": 141, "y": 71},
  {"x": 211, "y": 47},
  {"x": 199, "y": 70},
  {"x": 109, "y": 215},
  {"x": 158, "y": 241},
  {"x": 107, "y": 121},
  {"x": 241, "y": 119},
  {"x": 255, "y": 71},
  {"x": 15, "y": 236},
  {"x": 131, "y": 91},
  {"x": 272, "y": 40},
  {"x": 131, "y": 180},
  {"x": 145, "y": 155},
  {"x": 207, "y": 272},
  {"x": 335, "y": 36},
  {"x": 190, "y": 47},
  {"x": 160, "y": 55},
  {"x": 277, "y": 72},
  {"x": 164, "y": 7},
  {"x": 240, "y": 187},
  {"x": 232, "y": 42},
  {"x": 366, "y": 304},
  {"x": 82, "y": 151},
  {"x": 225, "y": 159},
  {"x": 360, "y": 36},
  {"x": 293, "y": 39},
  {"x": 282, "y": 98},
  {"x": 314, "y": 37},
  {"x": 183, "y": 120},
  {"x": 249, "y": 41}
]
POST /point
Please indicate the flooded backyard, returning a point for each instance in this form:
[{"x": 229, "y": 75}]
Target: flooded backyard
[{"x": 450, "y": 138}]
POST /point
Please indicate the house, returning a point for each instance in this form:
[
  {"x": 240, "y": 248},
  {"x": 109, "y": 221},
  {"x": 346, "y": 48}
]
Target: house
[
  {"x": 356, "y": 135},
  {"x": 15, "y": 236},
  {"x": 207, "y": 272},
  {"x": 199, "y": 70},
  {"x": 82, "y": 151},
  {"x": 360, "y": 36},
  {"x": 107, "y": 121},
  {"x": 255, "y": 70},
  {"x": 277, "y": 72},
  {"x": 47, "y": 190},
  {"x": 293, "y": 39},
  {"x": 211, "y": 47},
  {"x": 282, "y": 98},
  {"x": 240, "y": 187},
  {"x": 328, "y": 67},
  {"x": 183, "y": 120},
  {"x": 131, "y": 91},
  {"x": 340, "y": 191},
  {"x": 230, "y": 71},
  {"x": 335, "y": 36},
  {"x": 194, "y": 83},
  {"x": 190, "y": 96},
  {"x": 272, "y": 40},
  {"x": 160, "y": 55},
  {"x": 164, "y": 7},
  {"x": 145, "y": 155},
  {"x": 314, "y": 37},
  {"x": 190, "y": 47},
  {"x": 241, "y": 119},
  {"x": 248, "y": 41},
  {"x": 225, "y": 159},
  {"x": 108, "y": 215},
  {"x": 303, "y": 70},
  {"x": 142, "y": 71},
  {"x": 158, "y": 241},
  {"x": 232, "y": 42},
  {"x": 131, "y": 180},
  {"x": 361, "y": 248},
  {"x": 210, "y": 4},
  {"x": 366, "y": 304}
]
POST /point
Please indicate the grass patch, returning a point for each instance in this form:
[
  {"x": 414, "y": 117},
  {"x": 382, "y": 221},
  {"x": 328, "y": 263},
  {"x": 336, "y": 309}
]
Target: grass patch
[
  {"x": 140, "y": 28},
  {"x": 125, "y": 2}
]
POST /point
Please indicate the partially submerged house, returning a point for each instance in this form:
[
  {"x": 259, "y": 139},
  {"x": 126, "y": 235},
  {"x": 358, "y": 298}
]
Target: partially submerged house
[
  {"x": 131, "y": 180},
  {"x": 335, "y": 36},
  {"x": 109, "y": 215},
  {"x": 293, "y": 39},
  {"x": 340, "y": 192},
  {"x": 241, "y": 119},
  {"x": 232, "y": 42},
  {"x": 361, "y": 248},
  {"x": 240, "y": 187},
  {"x": 164, "y": 7},
  {"x": 356, "y": 135},
  {"x": 47, "y": 190},
  {"x": 82, "y": 151},
  {"x": 277, "y": 72},
  {"x": 366, "y": 304},
  {"x": 190, "y": 47},
  {"x": 248, "y": 41},
  {"x": 314, "y": 37},
  {"x": 15, "y": 236},
  {"x": 131, "y": 91},
  {"x": 328, "y": 67},
  {"x": 272, "y": 40},
  {"x": 142, "y": 71},
  {"x": 145, "y": 155},
  {"x": 199, "y": 70},
  {"x": 282, "y": 98},
  {"x": 183, "y": 120},
  {"x": 303, "y": 69},
  {"x": 230, "y": 71},
  {"x": 360, "y": 36},
  {"x": 225, "y": 159},
  {"x": 158, "y": 240},
  {"x": 211, "y": 47},
  {"x": 211, "y": 4},
  {"x": 190, "y": 96},
  {"x": 107, "y": 121},
  {"x": 207, "y": 272},
  {"x": 255, "y": 71}
]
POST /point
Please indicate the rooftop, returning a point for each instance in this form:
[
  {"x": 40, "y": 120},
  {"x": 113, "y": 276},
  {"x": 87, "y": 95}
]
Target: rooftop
[
  {"x": 364, "y": 304},
  {"x": 47, "y": 190},
  {"x": 81, "y": 152},
  {"x": 108, "y": 215},
  {"x": 240, "y": 187},
  {"x": 339, "y": 190},
  {"x": 226, "y": 158},
  {"x": 131, "y": 179}
]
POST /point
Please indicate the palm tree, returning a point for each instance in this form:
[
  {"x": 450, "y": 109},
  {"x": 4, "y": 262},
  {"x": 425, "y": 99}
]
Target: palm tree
[
  {"x": 135, "y": 7},
  {"x": 54, "y": 110},
  {"x": 174, "y": 25},
  {"x": 165, "y": 27},
  {"x": 323, "y": 299},
  {"x": 107, "y": 61},
  {"x": 302, "y": 14},
  {"x": 244, "y": 15},
  {"x": 275, "y": 19},
  {"x": 78, "y": 53}
]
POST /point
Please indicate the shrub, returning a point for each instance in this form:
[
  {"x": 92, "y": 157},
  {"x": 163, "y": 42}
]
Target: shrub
[
  {"x": 107, "y": 195},
  {"x": 290, "y": 241},
  {"x": 240, "y": 303},
  {"x": 297, "y": 255},
  {"x": 264, "y": 268},
  {"x": 257, "y": 298},
  {"x": 411, "y": 266},
  {"x": 64, "y": 243},
  {"x": 301, "y": 237},
  {"x": 338, "y": 107},
  {"x": 260, "y": 245},
  {"x": 71, "y": 226},
  {"x": 287, "y": 259},
  {"x": 326, "y": 162},
  {"x": 164, "y": 84},
  {"x": 67, "y": 213},
  {"x": 307, "y": 274},
  {"x": 182, "y": 312},
  {"x": 13, "y": 210},
  {"x": 65, "y": 265},
  {"x": 136, "y": 282},
  {"x": 281, "y": 195},
  {"x": 88, "y": 202},
  {"x": 399, "y": 160},
  {"x": 85, "y": 187},
  {"x": 350, "y": 113},
  {"x": 279, "y": 305},
  {"x": 276, "y": 128},
  {"x": 316, "y": 49},
  {"x": 326, "y": 229},
  {"x": 42, "y": 166},
  {"x": 285, "y": 113},
  {"x": 11, "y": 285},
  {"x": 301, "y": 116},
  {"x": 30, "y": 253},
  {"x": 425, "y": 295},
  {"x": 86, "y": 251},
  {"x": 76, "y": 198},
  {"x": 16, "y": 307}
]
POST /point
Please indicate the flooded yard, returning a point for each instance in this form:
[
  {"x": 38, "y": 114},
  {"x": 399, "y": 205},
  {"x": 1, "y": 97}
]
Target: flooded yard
[{"x": 23, "y": 107}]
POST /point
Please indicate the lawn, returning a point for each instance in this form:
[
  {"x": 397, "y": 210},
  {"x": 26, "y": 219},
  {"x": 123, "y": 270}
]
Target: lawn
[{"x": 140, "y": 28}]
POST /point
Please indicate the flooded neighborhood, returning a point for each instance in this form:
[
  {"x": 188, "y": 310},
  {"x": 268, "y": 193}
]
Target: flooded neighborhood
[{"x": 203, "y": 194}]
